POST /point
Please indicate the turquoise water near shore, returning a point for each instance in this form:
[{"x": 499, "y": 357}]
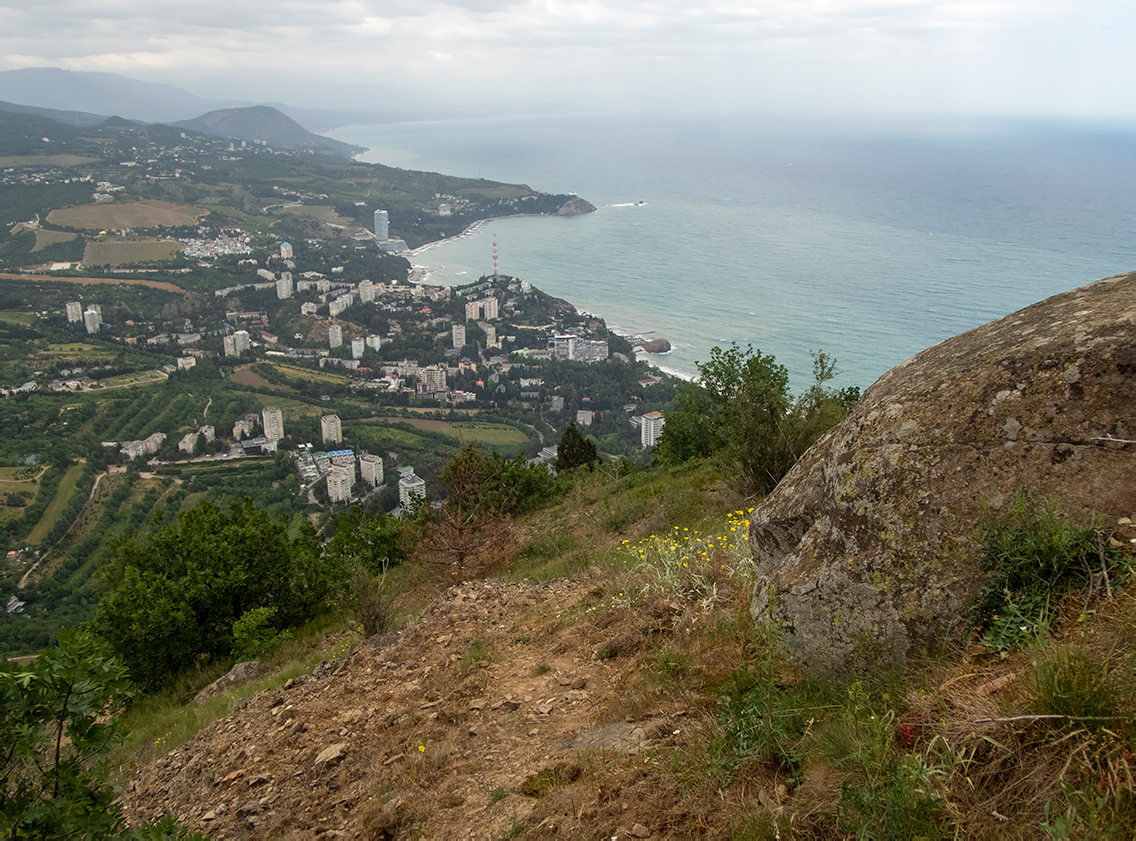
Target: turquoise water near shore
[{"x": 870, "y": 242}]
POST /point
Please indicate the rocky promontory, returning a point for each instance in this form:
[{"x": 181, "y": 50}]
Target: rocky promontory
[
  {"x": 576, "y": 206},
  {"x": 656, "y": 346}
]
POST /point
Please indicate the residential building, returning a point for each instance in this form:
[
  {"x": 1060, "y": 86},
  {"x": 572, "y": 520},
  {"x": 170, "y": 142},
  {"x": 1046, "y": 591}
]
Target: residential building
[
  {"x": 273, "y": 420},
  {"x": 366, "y": 292},
  {"x": 374, "y": 342},
  {"x": 339, "y": 482},
  {"x": 209, "y": 433},
  {"x": 331, "y": 428},
  {"x": 188, "y": 442},
  {"x": 651, "y": 425},
  {"x": 357, "y": 346},
  {"x": 583, "y": 418},
  {"x": 459, "y": 336},
  {"x": 146, "y": 447},
  {"x": 184, "y": 363},
  {"x": 472, "y": 310},
  {"x": 491, "y": 336},
  {"x": 284, "y": 287},
  {"x": 489, "y": 307},
  {"x": 308, "y": 308},
  {"x": 433, "y": 375},
  {"x": 74, "y": 312},
  {"x": 371, "y": 467},
  {"x": 382, "y": 226},
  {"x": 242, "y": 341},
  {"x": 410, "y": 489},
  {"x": 335, "y": 336},
  {"x": 92, "y": 320},
  {"x": 286, "y": 250}
]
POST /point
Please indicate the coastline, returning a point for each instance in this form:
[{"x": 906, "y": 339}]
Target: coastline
[{"x": 420, "y": 274}]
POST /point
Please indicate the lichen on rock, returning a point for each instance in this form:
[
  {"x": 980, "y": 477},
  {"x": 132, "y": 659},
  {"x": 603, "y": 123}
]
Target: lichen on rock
[{"x": 865, "y": 551}]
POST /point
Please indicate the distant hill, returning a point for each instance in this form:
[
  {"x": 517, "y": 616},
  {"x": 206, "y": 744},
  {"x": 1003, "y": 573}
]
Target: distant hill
[
  {"x": 102, "y": 93},
  {"x": 264, "y": 123},
  {"x": 40, "y": 90},
  {"x": 71, "y": 118}
]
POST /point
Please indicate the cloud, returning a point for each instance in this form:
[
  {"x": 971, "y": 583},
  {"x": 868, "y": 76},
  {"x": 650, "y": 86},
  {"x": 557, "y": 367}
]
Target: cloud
[{"x": 582, "y": 50}]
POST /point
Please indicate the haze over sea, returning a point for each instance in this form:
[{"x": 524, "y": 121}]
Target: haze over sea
[{"x": 871, "y": 242}]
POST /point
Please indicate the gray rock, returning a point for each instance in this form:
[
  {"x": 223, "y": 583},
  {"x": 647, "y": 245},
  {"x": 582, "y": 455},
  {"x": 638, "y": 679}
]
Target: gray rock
[
  {"x": 240, "y": 674},
  {"x": 865, "y": 552},
  {"x": 331, "y": 755}
]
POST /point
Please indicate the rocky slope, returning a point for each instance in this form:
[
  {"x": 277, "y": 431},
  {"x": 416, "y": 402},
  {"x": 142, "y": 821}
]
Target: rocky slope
[{"x": 438, "y": 731}]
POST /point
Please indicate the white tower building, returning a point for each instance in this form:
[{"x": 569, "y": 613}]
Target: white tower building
[
  {"x": 382, "y": 226},
  {"x": 273, "y": 420}
]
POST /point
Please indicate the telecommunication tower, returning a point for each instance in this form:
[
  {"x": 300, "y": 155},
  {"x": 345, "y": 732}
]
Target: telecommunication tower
[{"x": 495, "y": 256}]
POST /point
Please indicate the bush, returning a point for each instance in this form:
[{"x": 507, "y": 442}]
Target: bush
[{"x": 254, "y": 634}]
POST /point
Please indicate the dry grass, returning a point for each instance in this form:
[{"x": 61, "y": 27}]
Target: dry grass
[
  {"x": 147, "y": 213},
  {"x": 84, "y": 281},
  {"x": 122, "y": 252},
  {"x": 45, "y": 238}
]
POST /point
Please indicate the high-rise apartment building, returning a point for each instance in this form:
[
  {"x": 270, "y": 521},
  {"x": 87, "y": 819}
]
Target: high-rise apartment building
[
  {"x": 382, "y": 226},
  {"x": 411, "y": 490},
  {"x": 339, "y": 482},
  {"x": 366, "y": 292},
  {"x": 74, "y": 312},
  {"x": 459, "y": 336},
  {"x": 273, "y": 420},
  {"x": 334, "y": 336},
  {"x": 92, "y": 320},
  {"x": 331, "y": 428},
  {"x": 489, "y": 307},
  {"x": 651, "y": 425},
  {"x": 357, "y": 346},
  {"x": 371, "y": 468},
  {"x": 284, "y": 287}
]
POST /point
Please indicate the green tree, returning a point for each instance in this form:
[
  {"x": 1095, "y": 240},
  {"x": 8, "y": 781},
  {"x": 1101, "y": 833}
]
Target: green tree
[
  {"x": 178, "y": 596},
  {"x": 575, "y": 450},
  {"x": 740, "y": 411},
  {"x": 59, "y": 727},
  {"x": 374, "y": 539}
]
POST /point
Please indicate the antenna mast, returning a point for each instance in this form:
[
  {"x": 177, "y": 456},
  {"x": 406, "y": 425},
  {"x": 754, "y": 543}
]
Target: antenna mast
[{"x": 495, "y": 256}]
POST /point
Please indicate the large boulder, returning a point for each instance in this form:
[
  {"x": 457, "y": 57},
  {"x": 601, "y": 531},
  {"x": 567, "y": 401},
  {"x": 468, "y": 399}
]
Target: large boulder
[{"x": 865, "y": 552}]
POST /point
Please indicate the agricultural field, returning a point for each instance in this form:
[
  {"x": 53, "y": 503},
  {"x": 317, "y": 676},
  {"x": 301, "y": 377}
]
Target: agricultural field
[
  {"x": 324, "y": 214},
  {"x": 45, "y": 238},
  {"x": 138, "y": 378},
  {"x": 290, "y": 407},
  {"x": 62, "y": 497},
  {"x": 498, "y": 436},
  {"x": 311, "y": 374},
  {"x": 27, "y": 319},
  {"x": 46, "y": 160},
  {"x": 17, "y": 480},
  {"x": 88, "y": 354},
  {"x": 114, "y": 252},
  {"x": 147, "y": 213},
  {"x": 113, "y": 281}
]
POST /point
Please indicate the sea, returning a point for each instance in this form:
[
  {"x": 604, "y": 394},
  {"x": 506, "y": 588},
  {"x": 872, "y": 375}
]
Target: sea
[{"x": 869, "y": 240}]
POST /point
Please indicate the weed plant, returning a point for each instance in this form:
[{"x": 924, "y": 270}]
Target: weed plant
[
  {"x": 691, "y": 564},
  {"x": 1034, "y": 557}
]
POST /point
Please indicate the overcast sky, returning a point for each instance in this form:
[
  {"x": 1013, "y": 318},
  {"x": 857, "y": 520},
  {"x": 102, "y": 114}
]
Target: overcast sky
[{"x": 1032, "y": 57}]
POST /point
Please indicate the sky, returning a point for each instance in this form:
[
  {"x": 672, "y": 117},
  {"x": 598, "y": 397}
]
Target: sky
[{"x": 1046, "y": 58}]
